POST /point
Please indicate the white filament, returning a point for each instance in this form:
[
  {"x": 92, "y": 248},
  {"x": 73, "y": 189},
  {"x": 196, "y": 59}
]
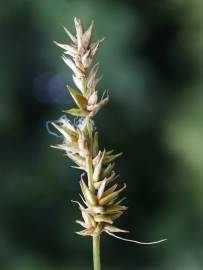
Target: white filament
[{"x": 134, "y": 241}]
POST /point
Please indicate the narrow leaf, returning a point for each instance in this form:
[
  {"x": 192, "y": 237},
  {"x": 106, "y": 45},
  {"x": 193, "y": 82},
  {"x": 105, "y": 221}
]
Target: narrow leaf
[
  {"x": 114, "y": 229},
  {"x": 78, "y": 98},
  {"x": 77, "y": 112},
  {"x": 111, "y": 196},
  {"x": 89, "y": 196}
]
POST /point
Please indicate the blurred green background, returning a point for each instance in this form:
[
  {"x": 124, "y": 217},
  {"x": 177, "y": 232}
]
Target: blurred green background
[{"x": 152, "y": 61}]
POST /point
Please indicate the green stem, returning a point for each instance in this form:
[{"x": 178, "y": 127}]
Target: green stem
[
  {"x": 96, "y": 252},
  {"x": 95, "y": 239},
  {"x": 89, "y": 129},
  {"x": 89, "y": 157},
  {"x": 84, "y": 86},
  {"x": 90, "y": 173}
]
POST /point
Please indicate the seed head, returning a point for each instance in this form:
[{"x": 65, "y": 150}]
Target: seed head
[{"x": 101, "y": 205}]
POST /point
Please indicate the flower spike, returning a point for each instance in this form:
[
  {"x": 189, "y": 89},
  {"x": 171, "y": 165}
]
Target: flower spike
[{"x": 101, "y": 204}]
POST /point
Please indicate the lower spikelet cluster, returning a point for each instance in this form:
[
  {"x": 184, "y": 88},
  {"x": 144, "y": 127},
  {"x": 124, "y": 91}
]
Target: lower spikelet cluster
[
  {"x": 101, "y": 206},
  {"x": 101, "y": 209}
]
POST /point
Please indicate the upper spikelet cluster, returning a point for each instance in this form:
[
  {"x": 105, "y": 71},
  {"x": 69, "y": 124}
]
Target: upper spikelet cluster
[
  {"x": 80, "y": 140},
  {"x": 82, "y": 51}
]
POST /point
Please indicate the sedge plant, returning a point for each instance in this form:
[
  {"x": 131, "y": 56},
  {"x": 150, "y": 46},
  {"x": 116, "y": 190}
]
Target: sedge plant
[{"x": 100, "y": 203}]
